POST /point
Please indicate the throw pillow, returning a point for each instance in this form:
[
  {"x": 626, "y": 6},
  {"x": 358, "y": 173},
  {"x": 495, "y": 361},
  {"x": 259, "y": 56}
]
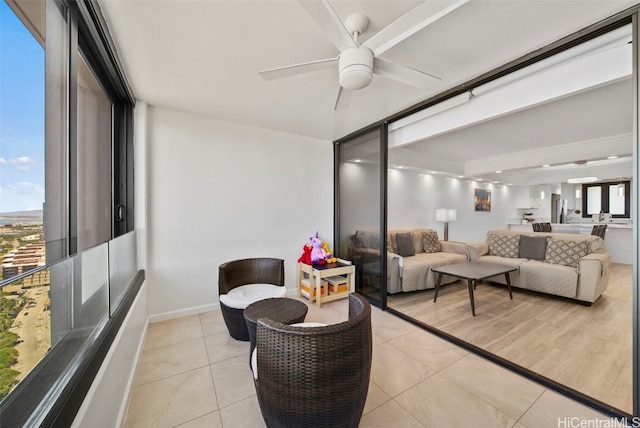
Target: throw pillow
[
  {"x": 504, "y": 245},
  {"x": 405, "y": 245},
  {"x": 372, "y": 240},
  {"x": 533, "y": 247},
  {"x": 392, "y": 244},
  {"x": 430, "y": 242},
  {"x": 564, "y": 252},
  {"x": 357, "y": 240}
]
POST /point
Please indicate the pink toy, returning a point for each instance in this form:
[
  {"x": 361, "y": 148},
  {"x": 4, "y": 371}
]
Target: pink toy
[{"x": 318, "y": 254}]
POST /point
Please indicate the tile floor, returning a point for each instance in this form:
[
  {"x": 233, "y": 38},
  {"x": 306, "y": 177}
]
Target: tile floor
[{"x": 192, "y": 374}]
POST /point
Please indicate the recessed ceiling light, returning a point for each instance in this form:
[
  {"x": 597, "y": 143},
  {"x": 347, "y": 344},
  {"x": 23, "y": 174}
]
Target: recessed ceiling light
[
  {"x": 461, "y": 176},
  {"x": 582, "y": 180},
  {"x": 546, "y": 166},
  {"x": 400, "y": 167},
  {"x": 612, "y": 157},
  {"x": 358, "y": 160},
  {"x": 498, "y": 172}
]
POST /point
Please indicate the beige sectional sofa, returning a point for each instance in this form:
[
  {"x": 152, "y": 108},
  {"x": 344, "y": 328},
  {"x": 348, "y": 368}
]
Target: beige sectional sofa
[
  {"x": 408, "y": 265},
  {"x": 569, "y": 265}
]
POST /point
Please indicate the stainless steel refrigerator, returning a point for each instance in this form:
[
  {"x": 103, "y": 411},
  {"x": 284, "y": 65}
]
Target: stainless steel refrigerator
[{"x": 558, "y": 209}]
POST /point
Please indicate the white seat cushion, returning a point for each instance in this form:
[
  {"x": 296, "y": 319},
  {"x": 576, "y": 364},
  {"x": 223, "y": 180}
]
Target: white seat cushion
[
  {"x": 254, "y": 354},
  {"x": 243, "y": 296},
  {"x": 309, "y": 324}
]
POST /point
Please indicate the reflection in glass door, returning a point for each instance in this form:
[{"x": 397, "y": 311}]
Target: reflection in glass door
[{"x": 360, "y": 210}]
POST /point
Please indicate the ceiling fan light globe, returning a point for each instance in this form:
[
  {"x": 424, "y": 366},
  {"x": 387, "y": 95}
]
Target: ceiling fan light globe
[
  {"x": 356, "y": 68},
  {"x": 355, "y": 77}
]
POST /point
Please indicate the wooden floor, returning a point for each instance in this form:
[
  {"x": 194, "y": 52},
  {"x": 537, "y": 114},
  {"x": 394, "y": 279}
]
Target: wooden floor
[{"x": 586, "y": 348}]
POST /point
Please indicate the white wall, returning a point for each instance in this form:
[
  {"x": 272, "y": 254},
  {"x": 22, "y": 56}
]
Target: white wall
[
  {"x": 219, "y": 191},
  {"x": 414, "y": 198}
]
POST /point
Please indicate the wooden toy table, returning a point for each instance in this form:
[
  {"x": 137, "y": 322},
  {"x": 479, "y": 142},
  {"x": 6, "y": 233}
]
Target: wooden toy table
[{"x": 315, "y": 275}]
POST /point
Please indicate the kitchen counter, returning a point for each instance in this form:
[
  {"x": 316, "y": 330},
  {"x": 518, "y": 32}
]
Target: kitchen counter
[
  {"x": 609, "y": 225},
  {"x": 580, "y": 225},
  {"x": 618, "y": 240}
]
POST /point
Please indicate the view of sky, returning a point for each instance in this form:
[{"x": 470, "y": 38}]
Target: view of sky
[{"x": 21, "y": 116}]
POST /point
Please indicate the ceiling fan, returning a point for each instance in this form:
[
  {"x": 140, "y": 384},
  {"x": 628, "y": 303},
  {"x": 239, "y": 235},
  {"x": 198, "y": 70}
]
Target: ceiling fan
[{"x": 358, "y": 62}]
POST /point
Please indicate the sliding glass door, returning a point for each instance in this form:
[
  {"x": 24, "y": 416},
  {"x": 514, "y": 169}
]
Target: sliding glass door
[
  {"x": 570, "y": 113},
  {"x": 360, "y": 206}
]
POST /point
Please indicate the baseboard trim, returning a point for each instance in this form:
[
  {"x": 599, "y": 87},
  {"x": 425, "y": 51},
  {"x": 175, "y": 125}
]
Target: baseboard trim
[{"x": 195, "y": 310}]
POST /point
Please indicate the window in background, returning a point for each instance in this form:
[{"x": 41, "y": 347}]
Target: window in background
[
  {"x": 616, "y": 199},
  {"x": 610, "y": 197},
  {"x": 593, "y": 200}
]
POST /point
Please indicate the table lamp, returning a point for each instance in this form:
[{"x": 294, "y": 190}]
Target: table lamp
[{"x": 446, "y": 215}]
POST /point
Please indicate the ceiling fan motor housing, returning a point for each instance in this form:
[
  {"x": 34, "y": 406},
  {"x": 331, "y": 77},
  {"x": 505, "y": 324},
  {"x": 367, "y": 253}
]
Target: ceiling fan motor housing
[{"x": 356, "y": 67}]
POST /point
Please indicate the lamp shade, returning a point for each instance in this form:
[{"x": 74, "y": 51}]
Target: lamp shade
[{"x": 446, "y": 214}]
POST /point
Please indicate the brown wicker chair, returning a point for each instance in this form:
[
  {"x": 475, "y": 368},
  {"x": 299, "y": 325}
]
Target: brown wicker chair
[
  {"x": 242, "y": 272},
  {"x": 315, "y": 376}
]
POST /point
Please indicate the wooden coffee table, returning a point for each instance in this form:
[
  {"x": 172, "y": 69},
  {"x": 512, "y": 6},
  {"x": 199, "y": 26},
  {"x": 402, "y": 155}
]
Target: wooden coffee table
[{"x": 473, "y": 272}]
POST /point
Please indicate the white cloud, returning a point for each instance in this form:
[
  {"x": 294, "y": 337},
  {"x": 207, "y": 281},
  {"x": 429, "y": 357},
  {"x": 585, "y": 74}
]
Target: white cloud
[
  {"x": 20, "y": 196},
  {"x": 3, "y": 161},
  {"x": 23, "y": 163},
  {"x": 24, "y": 187}
]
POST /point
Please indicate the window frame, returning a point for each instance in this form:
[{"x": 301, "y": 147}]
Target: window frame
[
  {"x": 82, "y": 28},
  {"x": 604, "y": 197}
]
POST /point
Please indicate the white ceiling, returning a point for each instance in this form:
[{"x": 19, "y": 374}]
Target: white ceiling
[{"x": 204, "y": 57}]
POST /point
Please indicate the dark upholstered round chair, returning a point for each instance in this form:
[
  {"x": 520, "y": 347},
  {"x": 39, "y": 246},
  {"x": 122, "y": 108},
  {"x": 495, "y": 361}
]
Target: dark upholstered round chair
[
  {"x": 314, "y": 376},
  {"x": 242, "y": 282}
]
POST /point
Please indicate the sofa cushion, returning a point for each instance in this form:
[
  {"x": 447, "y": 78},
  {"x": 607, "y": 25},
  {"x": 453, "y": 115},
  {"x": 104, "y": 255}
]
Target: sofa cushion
[
  {"x": 565, "y": 252},
  {"x": 549, "y": 278},
  {"x": 417, "y": 274},
  {"x": 430, "y": 242},
  {"x": 533, "y": 247},
  {"x": 416, "y": 234},
  {"x": 244, "y": 295},
  {"x": 504, "y": 245},
  {"x": 405, "y": 245},
  {"x": 507, "y": 261}
]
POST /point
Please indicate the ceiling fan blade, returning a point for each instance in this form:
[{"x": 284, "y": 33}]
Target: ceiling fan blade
[
  {"x": 407, "y": 25},
  {"x": 343, "y": 99},
  {"x": 327, "y": 18},
  {"x": 403, "y": 74},
  {"x": 292, "y": 70}
]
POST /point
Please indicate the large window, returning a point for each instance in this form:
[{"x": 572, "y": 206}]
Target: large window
[
  {"x": 612, "y": 198},
  {"x": 22, "y": 94},
  {"x": 66, "y": 178}
]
